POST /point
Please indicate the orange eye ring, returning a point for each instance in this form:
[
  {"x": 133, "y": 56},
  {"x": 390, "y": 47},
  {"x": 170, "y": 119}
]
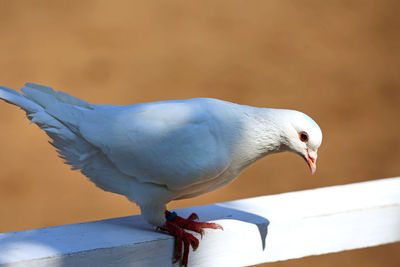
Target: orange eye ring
[{"x": 303, "y": 136}]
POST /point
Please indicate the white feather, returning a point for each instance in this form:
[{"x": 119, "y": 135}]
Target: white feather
[{"x": 157, "y": 152}]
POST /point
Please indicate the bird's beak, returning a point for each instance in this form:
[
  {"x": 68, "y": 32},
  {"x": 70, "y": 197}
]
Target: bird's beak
[{"x": 312, "y": 160}]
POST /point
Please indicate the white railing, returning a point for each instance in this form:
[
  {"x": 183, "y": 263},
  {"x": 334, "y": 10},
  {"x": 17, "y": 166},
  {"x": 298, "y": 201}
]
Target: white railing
[{"x": 256, "y": 230}]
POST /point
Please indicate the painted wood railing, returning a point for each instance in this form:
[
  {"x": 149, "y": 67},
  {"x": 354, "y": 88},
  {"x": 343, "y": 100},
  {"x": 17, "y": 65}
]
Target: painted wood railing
[{"x": 256, "y": 230}]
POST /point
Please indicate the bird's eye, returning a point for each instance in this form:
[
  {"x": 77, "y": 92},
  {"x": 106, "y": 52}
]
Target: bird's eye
[{"x": 303, "y": 136}]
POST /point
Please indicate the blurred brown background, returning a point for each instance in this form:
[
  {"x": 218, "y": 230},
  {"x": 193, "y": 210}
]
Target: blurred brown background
[{"x": 337, "y": 61}]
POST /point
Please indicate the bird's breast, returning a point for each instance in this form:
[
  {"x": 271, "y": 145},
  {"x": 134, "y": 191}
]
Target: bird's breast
[{"x": 210, "y": 185}]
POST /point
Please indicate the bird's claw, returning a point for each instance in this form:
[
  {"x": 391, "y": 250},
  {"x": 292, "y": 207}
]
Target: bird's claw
[{"x": 176, "y": 226}]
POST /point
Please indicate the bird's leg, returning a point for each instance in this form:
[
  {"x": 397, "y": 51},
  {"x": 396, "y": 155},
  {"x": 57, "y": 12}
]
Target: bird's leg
[{"x": 176, "y": 225}]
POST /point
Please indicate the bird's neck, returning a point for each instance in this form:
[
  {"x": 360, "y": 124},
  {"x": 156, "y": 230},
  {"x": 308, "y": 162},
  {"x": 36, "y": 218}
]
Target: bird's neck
[{"x": 261, "y": 134}]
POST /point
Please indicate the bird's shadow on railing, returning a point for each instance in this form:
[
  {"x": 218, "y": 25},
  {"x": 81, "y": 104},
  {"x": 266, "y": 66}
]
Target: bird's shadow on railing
[{"x": 228, "y": 211}]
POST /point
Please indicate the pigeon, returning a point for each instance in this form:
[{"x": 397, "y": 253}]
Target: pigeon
[{"x": 157, "y": 152}]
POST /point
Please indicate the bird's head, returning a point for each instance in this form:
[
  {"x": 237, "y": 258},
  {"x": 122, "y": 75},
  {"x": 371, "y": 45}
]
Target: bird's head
[{"x": 303, "y": 137}]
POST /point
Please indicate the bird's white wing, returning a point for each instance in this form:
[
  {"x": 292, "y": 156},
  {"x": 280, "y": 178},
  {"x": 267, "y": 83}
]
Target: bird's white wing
[{"x": 172, "y": 143}]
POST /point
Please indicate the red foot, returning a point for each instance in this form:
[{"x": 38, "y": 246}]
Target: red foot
[{"x": 175, "y": 225}]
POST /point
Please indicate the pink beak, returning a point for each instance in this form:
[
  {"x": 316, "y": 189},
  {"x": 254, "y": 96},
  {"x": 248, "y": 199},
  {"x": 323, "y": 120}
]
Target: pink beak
[{"x": 312, "y": 161}]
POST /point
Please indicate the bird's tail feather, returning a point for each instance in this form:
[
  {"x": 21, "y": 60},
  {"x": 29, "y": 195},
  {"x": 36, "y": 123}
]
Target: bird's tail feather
[
  {"x": 14, "y": 97},
  {"x": 38, "y": 102},
  {"x": 54, "y": 113},
  {"x": 44, "y": 96},
  {"x": 36, "y": 97},
  {"x": 34, "y": 101}
]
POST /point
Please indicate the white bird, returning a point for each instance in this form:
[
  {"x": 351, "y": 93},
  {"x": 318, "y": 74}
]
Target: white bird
[{"x": 157, "y": 152}]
